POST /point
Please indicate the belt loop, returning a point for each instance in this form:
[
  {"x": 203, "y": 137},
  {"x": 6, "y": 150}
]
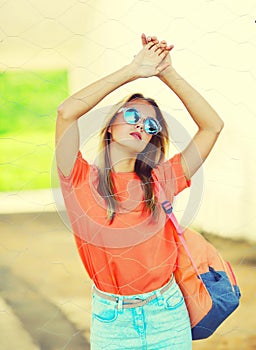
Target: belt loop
[
  {"x": 160, "y": 298},
  {"x": 120, "y": 304},
  {"x": 93, "y": 288}
]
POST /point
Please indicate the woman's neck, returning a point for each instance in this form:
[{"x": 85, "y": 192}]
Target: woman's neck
[
  {"x": 123, "y": 166},
  {"x": 121, "y": 160}
]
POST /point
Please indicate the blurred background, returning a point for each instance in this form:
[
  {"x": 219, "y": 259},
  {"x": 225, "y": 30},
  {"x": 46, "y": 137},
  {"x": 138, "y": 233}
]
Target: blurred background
[{"x": 49, "y": 50}]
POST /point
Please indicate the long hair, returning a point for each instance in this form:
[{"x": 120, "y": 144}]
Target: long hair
[{"x": 146, "y": 160}]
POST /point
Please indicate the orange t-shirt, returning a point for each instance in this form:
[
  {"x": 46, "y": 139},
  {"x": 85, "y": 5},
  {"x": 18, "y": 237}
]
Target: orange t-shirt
[{"x": 134, "y": 254}]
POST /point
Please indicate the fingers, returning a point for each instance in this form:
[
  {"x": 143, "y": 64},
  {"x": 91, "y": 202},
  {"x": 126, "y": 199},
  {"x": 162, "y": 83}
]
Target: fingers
[
  {"x": 143, "y": 39},
  {"x": 150, "y": 45},
  {"x": 154, "y": 41},
  {"x": 154, "y": 45},
  {"x": 161, "y": 50},
  {"x": 163, "y": 45}
]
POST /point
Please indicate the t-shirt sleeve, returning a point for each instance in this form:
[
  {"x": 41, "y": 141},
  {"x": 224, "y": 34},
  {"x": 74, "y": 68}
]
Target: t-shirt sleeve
[
  {"x": 171, "y": 176},
  {"x": 78, "y": 174}
]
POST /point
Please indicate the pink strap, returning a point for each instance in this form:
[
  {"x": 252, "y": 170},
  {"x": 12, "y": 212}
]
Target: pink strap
[
  {"x": 182, "y": 239},
  {"x": 167, "y": 206}
]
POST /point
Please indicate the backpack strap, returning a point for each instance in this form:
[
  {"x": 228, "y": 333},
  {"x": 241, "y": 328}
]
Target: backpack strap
[{"x": 167, "y": 206}]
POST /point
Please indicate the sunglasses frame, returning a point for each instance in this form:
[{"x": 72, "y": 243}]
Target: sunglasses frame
[{"x": 124, "y": 109}]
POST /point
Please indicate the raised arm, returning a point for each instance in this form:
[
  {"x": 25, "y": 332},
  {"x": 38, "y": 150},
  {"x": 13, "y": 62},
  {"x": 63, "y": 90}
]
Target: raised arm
[
  {"x": 148, "y": 62},
  {"x": 207, "y": 120},
  {"x": 67, "y": 133}
]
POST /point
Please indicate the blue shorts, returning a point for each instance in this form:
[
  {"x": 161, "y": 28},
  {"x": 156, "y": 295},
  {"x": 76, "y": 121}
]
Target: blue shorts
[{"x": 149, "y": 321}]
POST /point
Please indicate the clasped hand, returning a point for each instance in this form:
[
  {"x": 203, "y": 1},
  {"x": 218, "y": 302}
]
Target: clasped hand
[{"x": 153, "y": 59}]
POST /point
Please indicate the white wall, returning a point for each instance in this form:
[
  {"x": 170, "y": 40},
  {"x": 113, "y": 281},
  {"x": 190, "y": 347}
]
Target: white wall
[{"x": 214, "y": 50}]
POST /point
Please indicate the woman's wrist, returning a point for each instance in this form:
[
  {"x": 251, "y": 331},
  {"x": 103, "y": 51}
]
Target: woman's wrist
[
  {"x": 131, "y": 71},
  {"x": 168, "y": 73}
]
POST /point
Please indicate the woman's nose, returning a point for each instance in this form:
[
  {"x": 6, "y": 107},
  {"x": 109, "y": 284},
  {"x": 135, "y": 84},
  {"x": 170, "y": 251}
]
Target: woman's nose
[{"x": 140, "y": 125}]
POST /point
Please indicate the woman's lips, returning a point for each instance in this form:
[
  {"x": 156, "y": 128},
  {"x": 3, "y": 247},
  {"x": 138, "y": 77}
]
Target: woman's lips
[{"x": 136, "y": 135}]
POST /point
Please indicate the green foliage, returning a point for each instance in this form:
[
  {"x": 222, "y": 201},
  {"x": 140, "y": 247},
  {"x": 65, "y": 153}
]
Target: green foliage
[
  {"x": 28, "y": 104},
  {"x": 29, "y": 100}
]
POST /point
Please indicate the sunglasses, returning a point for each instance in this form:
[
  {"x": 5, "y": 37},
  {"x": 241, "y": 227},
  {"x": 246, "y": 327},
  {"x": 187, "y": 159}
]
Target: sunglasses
[{"x": 133, "y": 116}]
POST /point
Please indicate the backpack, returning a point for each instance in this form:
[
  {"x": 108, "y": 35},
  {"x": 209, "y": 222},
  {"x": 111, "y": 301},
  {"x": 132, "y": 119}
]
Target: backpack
[{"x": 207, "y": 282}]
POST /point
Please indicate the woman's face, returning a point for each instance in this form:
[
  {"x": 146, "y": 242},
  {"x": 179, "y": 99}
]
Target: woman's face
[{"x": 132, "y": 136}]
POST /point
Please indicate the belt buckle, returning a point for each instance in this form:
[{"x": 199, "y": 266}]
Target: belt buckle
[{"x": 134, "y": 301}]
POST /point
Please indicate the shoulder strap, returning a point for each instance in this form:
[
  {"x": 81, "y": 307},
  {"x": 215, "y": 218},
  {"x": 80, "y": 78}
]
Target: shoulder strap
[{"x": 167, "y": 206}]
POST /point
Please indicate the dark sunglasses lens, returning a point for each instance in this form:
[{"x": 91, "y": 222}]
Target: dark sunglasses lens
[
  {"x": 151, "y": 126},
  {"x": 132, "y": 116}
]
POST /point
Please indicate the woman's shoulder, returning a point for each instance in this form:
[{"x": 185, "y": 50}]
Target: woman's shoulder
[
  {"x": 168, "y": 164},
  {"x": 170, "y": 175},
  {"x": 82, "y": 170}
]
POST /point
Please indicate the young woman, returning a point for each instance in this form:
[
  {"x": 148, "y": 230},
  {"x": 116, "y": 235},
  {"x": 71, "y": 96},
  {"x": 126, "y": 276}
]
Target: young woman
[{"x": 123, "y": 237}]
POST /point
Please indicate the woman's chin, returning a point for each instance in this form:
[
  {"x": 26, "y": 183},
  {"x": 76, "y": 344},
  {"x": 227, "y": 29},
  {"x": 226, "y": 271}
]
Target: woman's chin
[{"x": 131, "y": 145}]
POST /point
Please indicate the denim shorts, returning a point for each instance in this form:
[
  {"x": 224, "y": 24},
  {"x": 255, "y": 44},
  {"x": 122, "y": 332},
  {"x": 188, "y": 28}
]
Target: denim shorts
[{"x": 149, "y": 321}]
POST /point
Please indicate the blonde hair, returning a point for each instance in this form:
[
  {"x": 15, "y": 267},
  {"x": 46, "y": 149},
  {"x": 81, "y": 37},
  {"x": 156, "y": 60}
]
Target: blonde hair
[{"x": 146, "y": 160}]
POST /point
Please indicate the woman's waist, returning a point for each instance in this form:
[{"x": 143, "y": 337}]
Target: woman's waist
[
  {"x": 135, "y": 285},
  {"x": 134, "y": 300}
]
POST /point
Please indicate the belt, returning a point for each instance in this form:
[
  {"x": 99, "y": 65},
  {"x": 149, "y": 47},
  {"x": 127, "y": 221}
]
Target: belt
[{"x": 130, "y": 303}]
